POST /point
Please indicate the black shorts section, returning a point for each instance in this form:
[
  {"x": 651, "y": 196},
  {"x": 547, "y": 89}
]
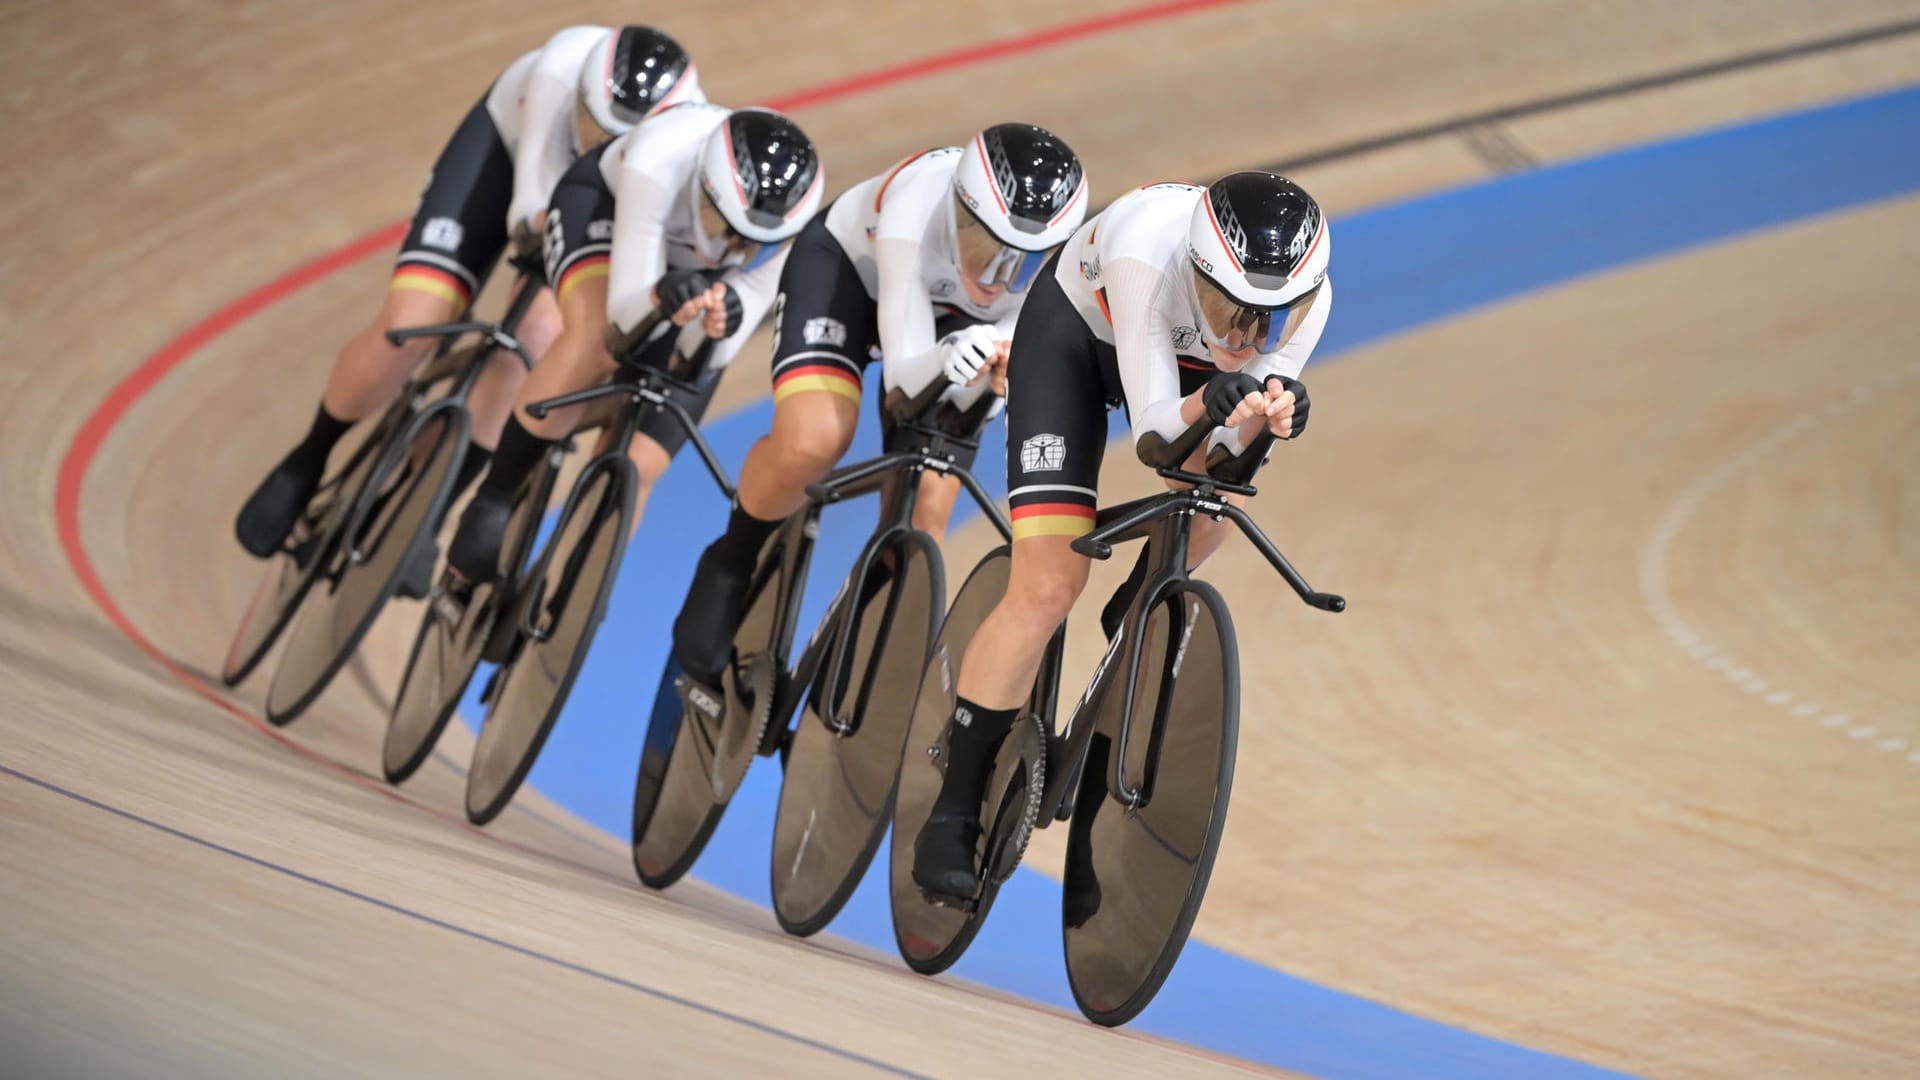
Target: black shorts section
[
  {"x": 827, "y": 329},
  {"x": 460, "y": 227},
  {"x": 825, "y": 325},
  {"x": 1061, "y": 382},
  {"x": 579, "y": 235}
]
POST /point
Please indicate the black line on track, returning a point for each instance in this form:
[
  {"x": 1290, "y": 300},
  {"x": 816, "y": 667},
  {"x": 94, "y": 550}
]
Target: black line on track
[
  {"x": 1622, "y": 88},
  {"x": 475, "y": 935}
]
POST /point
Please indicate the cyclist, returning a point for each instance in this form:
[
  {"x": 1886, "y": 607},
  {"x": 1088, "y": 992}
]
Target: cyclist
[
  {"x": 924, "y": 267},
  {"x": 492, "y": 181},
  {"x": 690, "y": 212},
  {"x": 1187, "y": 305}
]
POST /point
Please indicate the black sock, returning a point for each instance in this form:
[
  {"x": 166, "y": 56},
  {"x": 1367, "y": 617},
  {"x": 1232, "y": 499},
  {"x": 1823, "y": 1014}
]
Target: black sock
[
  {"x": 1122, "y": 598},
  {"x": 976, "y": 735},
  {"x": 745, "y": 535},
  {"x": 311, "y": 454},
  {"x": 472, "y": 463},
  {"x": 519, "y": 451}
]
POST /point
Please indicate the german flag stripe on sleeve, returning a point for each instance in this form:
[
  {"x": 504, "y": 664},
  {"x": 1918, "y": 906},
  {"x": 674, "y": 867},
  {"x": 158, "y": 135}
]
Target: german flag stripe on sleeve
[
  {"x": 426, "y": 279},
  {"x": 587, "y": 269}
]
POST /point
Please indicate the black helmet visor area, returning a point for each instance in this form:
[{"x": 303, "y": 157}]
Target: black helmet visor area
[
  {"x": 1268, "y": 223},
  {"x": 1240, "y": 325},
  {"x": 775, "y": 164},
  {"x": 986, "y": 261},
  {"x": 647, "y": 64},
  {"x": 1035, "y": 172}
]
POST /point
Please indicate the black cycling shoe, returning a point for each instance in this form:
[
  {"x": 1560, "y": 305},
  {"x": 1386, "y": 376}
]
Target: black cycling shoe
[
  {"x": 943, "y": 857},
  {"x": 475, "y": 551},
  {"x": 703, "y": 631},
  {"x": 274, "y": 507}
]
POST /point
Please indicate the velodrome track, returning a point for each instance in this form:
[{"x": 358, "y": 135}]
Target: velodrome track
[{"x": 1502, "y": 793}]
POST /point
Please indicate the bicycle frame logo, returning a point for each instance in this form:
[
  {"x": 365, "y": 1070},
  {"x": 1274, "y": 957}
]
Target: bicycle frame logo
[{"x": 1186, "y": 635}]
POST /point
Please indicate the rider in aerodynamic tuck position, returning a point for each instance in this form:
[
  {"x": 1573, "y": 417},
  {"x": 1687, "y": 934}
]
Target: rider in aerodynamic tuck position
[
  {"x": 491, "y": 183},
  {"x": 1183, "y": 303},
  {"x": 925, "y": 267},
  {"x": 691, "y": 213}
]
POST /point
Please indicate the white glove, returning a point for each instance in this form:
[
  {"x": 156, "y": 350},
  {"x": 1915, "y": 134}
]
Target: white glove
[{"x": 965, "y": 353}]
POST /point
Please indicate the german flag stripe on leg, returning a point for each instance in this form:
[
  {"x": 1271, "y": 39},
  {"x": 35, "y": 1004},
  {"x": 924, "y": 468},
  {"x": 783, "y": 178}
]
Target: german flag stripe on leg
[
  {"x": 806, "y": 378},
  {"x": 587, "y": 269},
  {"x": 1051, "y": 510},
  {"x": 426, "y": 279},
  {"x": 1051, "y": 519}
]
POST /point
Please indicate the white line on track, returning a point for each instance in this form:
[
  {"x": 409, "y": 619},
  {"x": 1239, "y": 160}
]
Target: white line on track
[{"x": 1689, "y": 639}]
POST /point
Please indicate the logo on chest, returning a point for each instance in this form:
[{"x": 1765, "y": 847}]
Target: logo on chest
[{"x": 1184, "y": 337}]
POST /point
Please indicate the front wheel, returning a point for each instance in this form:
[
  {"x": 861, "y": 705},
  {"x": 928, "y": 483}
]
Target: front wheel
[
  {"x": 694, "y": 759},
  {"x": 453, "y": 639},
  {"x": 291, "y": 574},
  {"x": 932, "y": 936},
  {"x": 1151, "y": 806},
  {"x": 382, "y": 535},
  {"x": 837, "y": 797},
  {"x": 563, "y": 603}
]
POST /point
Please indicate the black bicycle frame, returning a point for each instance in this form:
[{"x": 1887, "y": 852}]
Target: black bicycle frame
[
  {"x": 896, "y": 476},
  {"x": 1165, "y": 521},
  {"x": 465, "y": 370},
  {"x": 649, "y": 388}
]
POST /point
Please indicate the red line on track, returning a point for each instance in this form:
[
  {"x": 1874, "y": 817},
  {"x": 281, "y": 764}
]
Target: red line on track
[{"x": 998, "y": 49}]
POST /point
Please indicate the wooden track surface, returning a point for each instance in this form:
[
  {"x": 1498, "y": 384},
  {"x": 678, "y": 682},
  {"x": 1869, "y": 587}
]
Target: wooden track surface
[{"x": 1500, "y": 795}]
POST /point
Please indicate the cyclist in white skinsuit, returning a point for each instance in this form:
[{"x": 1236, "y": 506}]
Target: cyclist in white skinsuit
[
  {"x": 690, "y": 212},
  {"x": 1195, "y": 308},
  {"x": 491, "y": 182},
  {"x": 924, "y": 267}
]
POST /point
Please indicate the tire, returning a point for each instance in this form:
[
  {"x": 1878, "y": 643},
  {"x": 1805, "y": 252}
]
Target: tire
[
  {"x": 836, "y": 799},
  {"x": 677, "y": 798},
  {"x": 577, "y": 571},
  {"x": 289, "y": 577},
  {"x": 1136, "y": 876},
  {"x": 447, "y": 653},
  {"x": 932, "y": 937},
  {"x": 415, "y": 475}
]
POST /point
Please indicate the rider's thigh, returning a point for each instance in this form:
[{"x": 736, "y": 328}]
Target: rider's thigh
[
  {"x": 1047, "y": 577},
  {"x": 542, "y": 323},
  {"x": 812, "y": 431}
]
